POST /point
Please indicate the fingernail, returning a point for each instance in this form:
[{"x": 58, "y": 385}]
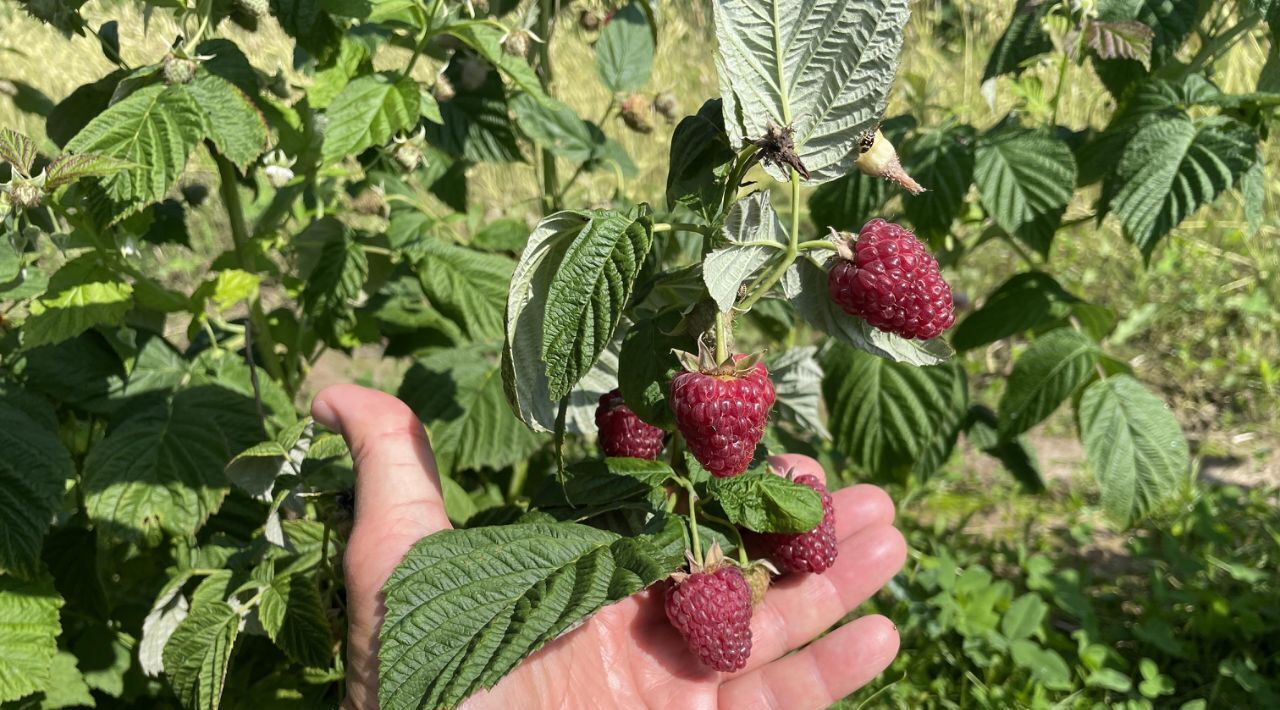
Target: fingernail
[{"x": 323, "y": 413}]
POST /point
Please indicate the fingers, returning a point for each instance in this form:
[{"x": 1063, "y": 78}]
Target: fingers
[
  {"x": 861, "y": 506},
  {"x": 396, "y": 479},
  {"x": 816, "y": 677},
  {"x": 798, "y": 464},
  {"x": 796, "y": 609}
]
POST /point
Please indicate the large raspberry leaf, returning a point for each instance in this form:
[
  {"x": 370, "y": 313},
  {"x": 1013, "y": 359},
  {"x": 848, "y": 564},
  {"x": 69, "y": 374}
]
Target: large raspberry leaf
[
  {"x": 564, "y": 308},
  {"x": 454, "y": 625},
  {"x": 823, "y": 67},
  {"x": 154, "y": 129},
  {"x": 797, "y": 382},
  {"x": 467, "y": 286},
  {"x": 1023, "y": 39},
  {"x": 1026, "y": 178},
  {"x": 1135, "y": 447},
  {"x": 1025, "y": 301},
  {"x": 890, "y": 418},
  {"x": 28, "y": 633},
  {"x": 624, "y": 54},
  {"x": 82, "y": 294},
  {"x": 458, "y": 394},
  {"x": 1044, "y": 376},
  {"x": 943, "y": 160},
  {"x": 198, "y": 654},
  {"x": 368, "y": 112},
  {"x": 231, "y": 121},
  {"x": 33, "y": 473},
  {"x": 699, "y": 147}
]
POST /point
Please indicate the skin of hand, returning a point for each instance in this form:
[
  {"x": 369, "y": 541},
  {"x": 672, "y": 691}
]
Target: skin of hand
[{"x": 627, "y": 655}]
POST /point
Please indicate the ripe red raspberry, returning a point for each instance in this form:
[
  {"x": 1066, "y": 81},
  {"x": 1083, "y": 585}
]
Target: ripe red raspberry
[
  {"x": 712, "y": 611},
  {"x": 622, "y": 433},
  {"x": 722, "y": 411},
  {"x": 888, "y": 277},
  {"x": 813, "y": 551}
]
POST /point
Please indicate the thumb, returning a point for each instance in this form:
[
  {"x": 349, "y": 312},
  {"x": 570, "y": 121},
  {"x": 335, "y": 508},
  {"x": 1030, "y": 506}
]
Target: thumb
[{"x": 398, "y": 502}]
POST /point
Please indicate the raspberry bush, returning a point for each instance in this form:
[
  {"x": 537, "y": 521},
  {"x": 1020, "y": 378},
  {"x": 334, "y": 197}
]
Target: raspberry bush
[{"x": 173, "y": 527}]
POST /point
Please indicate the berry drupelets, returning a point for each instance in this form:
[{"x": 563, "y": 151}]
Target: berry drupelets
[
  {"x": 721, "y": 410},
  {"x": 622, "y": 433},
  {"x": 888, "y": 277}
]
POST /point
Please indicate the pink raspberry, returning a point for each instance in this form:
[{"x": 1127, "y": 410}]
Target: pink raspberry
[
  {"x": 712, "y": 611},
  {"x": 722, "y": 414},
  {"x": 622, "y": 433},
  {"x": 888, "y": 277}
]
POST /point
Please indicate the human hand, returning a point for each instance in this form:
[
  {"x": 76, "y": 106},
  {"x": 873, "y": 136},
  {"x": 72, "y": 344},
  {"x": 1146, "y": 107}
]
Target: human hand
[{"x": 626, "y": 655}]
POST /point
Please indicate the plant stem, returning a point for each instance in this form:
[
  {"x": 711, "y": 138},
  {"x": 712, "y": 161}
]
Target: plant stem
[
  {"x": 693, "y": 519},
  {"x": 551, "y": 194},
  {"x": 680, "y": 227},
  {"x": 793, "y": 249},
  {"x": 722, "y": 337},
  {"x": 519, "y": 472},
  {"x": 240, "y": 237},
  {"x": 742, "y": 546},
  {"x": 816, "y": 244}
]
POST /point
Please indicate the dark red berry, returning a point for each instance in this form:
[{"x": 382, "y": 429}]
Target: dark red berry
[
  {"x": 622, "y": 433},
  {"x": 722, "y": 416},
  {"x": 712, "y": 611},
  {"x": 813, "y": 551},
  {"x": 892, "y": 281}
]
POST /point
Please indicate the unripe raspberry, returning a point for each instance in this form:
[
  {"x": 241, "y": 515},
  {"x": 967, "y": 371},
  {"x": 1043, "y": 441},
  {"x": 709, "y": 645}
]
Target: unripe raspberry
[
  {"x": 888, "y": 277},
  {"x": 517, "y": 42},
  {"x": 666, "y": 104},
  {"x": 178, "y": 70},
  {"x": 637, "y": 113},
  {"x": 879, "y": 159},
  {"x": 25, "y": 194},
  {"x": 443, "y": 90},
  {"x": 622, "y": 433},
  {"x": 590, "y": 19},
  {"x": 813, "y": 551}
]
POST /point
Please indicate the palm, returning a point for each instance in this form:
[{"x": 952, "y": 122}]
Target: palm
[{"x": 627, "y": 655}]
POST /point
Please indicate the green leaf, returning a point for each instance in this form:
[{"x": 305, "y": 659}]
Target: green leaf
[
  {"x": 594, "y": 484},
  {"x": 154, "y": 129},
  {"x": 28, "y": 633},
  {"x": 308, "y": 23},
  {"x": 1045, "y": 664},
  {"x": 33, "y": 474},
  {"x": 227, "y": 61},
  {"x": 554, "y": 126},
  {"x": 1026, "y": 178},
  {"x": 505, "y": 234},
  {"x": 699, "y": 146},
  {"x": 847, "y": 203},
  {"x": 293, "y": 615},
  {"x": 1047, "y": 374},
  {"x": 822, "y": 67},
  {"x": 199, "y": 652},
  {"x": 765, "y": 502},
  {"x": 1017, "y": 455},
  {"x": 368, "y": 112},
  {"x": 467, "y": 286},
  {"x": 81, "y": 295},
  {"x": 1024, "y": 616},
  {"x": 486, "y": 40},
  {"x": 524, "y": 374},
  {"x": 476, "y": 124},
  {"x": 1024, "y": 302},
  {"x": 624, "y": 53},
  {"x": 646, "y": 366},
  {"x": 755, "y": 240},
  {"x": 330, "y": 79},
  {"x": 231, "y": 121},
  {"x": 586, "y": 295},
  {"x": 459, "y": 396},
  {"x": 885, "y": 415},
  {"x": 1126, "y": 39},
  {"x": 1135, "y": 447},
  {"x": 66, "y": 169},
  {"x": 334, "y": 285},
  {"x": 17, "y": 150},
  {"x": 160, "y": 469},
  {"x": 1024, "y": 39},
  {"x": 943, "y": 160},
  {"x": 805, "y": 286},
  {"x": 797, "y": 381},
  {"x": 1110, "y": 679},
  {"x": 1173, "y": 166},
  {"x": 66, "y": 687},
  {"x": 453, "y": 627}
]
